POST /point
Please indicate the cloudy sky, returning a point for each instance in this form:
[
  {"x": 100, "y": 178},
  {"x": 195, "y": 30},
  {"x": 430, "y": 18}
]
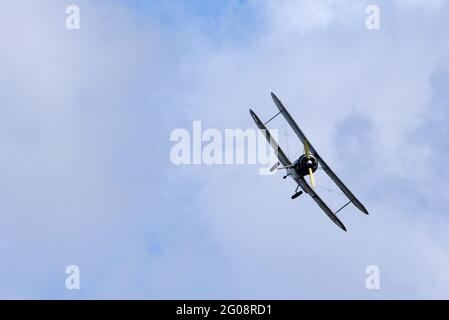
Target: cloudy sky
[{"x": 85, "y": 171}]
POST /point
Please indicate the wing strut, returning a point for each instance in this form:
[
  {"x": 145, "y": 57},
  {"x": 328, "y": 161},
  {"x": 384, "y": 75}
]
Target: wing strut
[
  {"x": 342, "y": 207},
  {"x": 273, "y": 117}
]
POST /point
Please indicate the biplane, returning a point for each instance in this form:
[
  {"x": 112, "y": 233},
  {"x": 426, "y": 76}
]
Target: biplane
[{"x": 305, "y": 165}]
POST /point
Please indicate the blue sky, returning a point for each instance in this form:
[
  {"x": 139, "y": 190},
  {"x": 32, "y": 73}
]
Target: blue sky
[{"x": 86, "y": 178}]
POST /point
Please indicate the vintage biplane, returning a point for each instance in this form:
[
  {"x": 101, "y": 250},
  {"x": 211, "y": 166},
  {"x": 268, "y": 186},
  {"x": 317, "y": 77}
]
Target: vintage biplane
[{"x": 306, "y": 165}]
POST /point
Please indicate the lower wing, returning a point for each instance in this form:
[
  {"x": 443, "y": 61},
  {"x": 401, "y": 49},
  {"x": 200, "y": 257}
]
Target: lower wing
[{"x": 307, "y": 189}]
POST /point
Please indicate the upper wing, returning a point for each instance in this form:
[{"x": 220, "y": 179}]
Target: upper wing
[
  {"x": 341, "y": 185},
  {"x": 323, "y": 164},
  {"x": 279, "y": 153},
  {"x": 292, "y": 122},
  {"x": 303, "y": 184}
]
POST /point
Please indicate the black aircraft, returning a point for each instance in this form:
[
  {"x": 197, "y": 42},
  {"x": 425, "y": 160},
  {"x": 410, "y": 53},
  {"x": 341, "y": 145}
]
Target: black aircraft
[{"x": 306, "y": 165}]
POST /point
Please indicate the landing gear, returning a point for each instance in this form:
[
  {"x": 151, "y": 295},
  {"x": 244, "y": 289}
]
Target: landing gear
[{"x": 296, "y": 195}]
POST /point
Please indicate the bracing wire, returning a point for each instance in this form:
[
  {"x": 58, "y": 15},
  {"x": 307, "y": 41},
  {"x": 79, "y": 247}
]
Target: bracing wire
[{"x": 331, "y": 190}]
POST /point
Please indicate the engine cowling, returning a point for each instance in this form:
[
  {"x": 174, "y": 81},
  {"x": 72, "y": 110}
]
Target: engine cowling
[{"x": 303, "y": 164}]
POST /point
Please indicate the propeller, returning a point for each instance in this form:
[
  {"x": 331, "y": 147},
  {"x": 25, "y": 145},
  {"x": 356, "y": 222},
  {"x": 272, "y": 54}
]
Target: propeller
[{"x": 307, "y": 152}]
